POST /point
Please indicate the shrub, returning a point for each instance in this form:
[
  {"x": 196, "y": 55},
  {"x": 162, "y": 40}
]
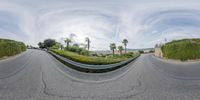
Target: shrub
[
  {"x": 77, "y": 50},
  {"x": 151, "y": 51},
  {"x": 129, "y": 54},
  {"x": 94, "y": 54},
  {"x": 141, "y": 51},
  {"x": 84, "y": 52},
  {"x": 56, "y": 46}
]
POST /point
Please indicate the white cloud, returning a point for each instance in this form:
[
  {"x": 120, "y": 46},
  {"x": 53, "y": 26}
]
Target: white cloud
[{"x": 142, "y": 23}]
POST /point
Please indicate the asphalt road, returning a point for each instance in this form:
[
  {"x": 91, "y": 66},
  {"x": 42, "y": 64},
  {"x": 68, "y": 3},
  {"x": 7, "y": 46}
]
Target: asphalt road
[{"x": 36, "y": 75}]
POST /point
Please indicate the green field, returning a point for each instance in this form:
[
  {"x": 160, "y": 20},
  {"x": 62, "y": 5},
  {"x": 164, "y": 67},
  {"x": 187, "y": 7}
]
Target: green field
[
  {"x": 10, "y": 47},
  {"x": 93, "y": 60},
  {"x": 186, "y": 49}
]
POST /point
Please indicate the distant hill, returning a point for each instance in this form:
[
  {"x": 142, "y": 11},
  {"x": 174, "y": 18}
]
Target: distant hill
[
  {"x": 128, "y": 50},
  {"x": 102, "y": 51},
  {"x": 185, "y": 49},
  {"x": 140, "y": 49}
]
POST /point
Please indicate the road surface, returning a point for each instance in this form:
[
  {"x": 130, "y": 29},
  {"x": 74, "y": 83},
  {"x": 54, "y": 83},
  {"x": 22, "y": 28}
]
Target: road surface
[{"x": 36, "y": 75}]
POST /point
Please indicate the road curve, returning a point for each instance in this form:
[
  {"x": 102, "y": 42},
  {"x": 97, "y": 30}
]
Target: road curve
[{"x": 36, "y": 75}]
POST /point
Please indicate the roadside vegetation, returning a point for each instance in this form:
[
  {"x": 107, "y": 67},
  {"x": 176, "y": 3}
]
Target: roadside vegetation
[
  {"x": 186, "y": 49},
  {"x": 81, "y": 52},
  {"x": 94, "y": 60},
  {"x": 11, "y": 47}
]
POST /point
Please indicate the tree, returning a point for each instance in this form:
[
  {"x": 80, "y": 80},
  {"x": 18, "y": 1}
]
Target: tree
[
  {"x": 41, "y": 45},
  {"x": 68, "y": 41},
  {"x": 57, "y": 46},
  {"x": 49, "y": 43},
  {"x": 113, "y": 47},
  {"x": 88, "y": 43},
  {"x": 120, "y": 48},
  {"x": 125, "y": 41},
  {"x": 60, "y": 45}
]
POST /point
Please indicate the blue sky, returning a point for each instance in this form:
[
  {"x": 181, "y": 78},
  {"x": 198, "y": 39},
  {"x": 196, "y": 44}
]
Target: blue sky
[{"x": 143, "y": 22}]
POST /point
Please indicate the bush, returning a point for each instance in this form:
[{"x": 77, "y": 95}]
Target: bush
[
  {"x": 141, "y": 51},
  {"x": 55, "y": 47},
  {"x": 94, "y": 54},
  {"x": 129, "y": 54},
  {"x": 151, "y": 51},
  {"x": 186, "y": 49},
  {"x": 78, "y": 50},
  {"x": 84, "y": 52},
  {"x": 10, "y": 47},
  {"x": 102, "y": 55}
]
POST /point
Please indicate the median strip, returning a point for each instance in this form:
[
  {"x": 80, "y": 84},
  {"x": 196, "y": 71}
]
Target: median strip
[{"x": 91, "y": 68}]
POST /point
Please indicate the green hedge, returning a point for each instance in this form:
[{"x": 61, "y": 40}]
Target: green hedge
[
  {"x": 78, "y": 50},
  {"x": 90, "y": 70},
  {"x": 89, "y": 59},
  {"x": 10, "y": 47},
  {"x": 186, "y": 49}
]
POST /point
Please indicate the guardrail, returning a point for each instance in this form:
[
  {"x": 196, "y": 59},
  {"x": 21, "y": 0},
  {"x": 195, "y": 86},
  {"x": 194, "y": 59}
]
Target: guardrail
[{"x": 91, "y": 68}]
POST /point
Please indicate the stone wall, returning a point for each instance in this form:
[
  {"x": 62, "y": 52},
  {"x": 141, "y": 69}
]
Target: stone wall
[{"x": 158, "y": 52}]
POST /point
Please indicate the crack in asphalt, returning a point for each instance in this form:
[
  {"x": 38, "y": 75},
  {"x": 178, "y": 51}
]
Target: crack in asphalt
[
  {"x": 194, "y": 91},
  {"x": 45, "y": 85},
  {"x": 96, "y": 97},
  {"x": 66, "y": 71},
  {"x": 136, "y": 90},
  {"x": 44, "y": 90},
  {"x": 147, "y": 81}
]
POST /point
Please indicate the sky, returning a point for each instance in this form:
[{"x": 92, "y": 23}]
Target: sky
[{"x": 143, "y": 22}]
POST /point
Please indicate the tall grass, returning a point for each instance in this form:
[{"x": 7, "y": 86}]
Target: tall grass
[
  {"x": 10, "y": 47},
  {"x": 186, "y": 49}
]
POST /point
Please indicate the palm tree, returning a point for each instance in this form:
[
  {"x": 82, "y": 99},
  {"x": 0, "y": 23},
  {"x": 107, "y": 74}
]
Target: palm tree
[
  {"x": 120, "y": 48},
  {"x": 125, "y": 41},
  {"x": 68, "y": 41},
  {"x": 60, "y": 45},
  {"x": 88, "y": 43},
  {"x": 113, "y": 47}
]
